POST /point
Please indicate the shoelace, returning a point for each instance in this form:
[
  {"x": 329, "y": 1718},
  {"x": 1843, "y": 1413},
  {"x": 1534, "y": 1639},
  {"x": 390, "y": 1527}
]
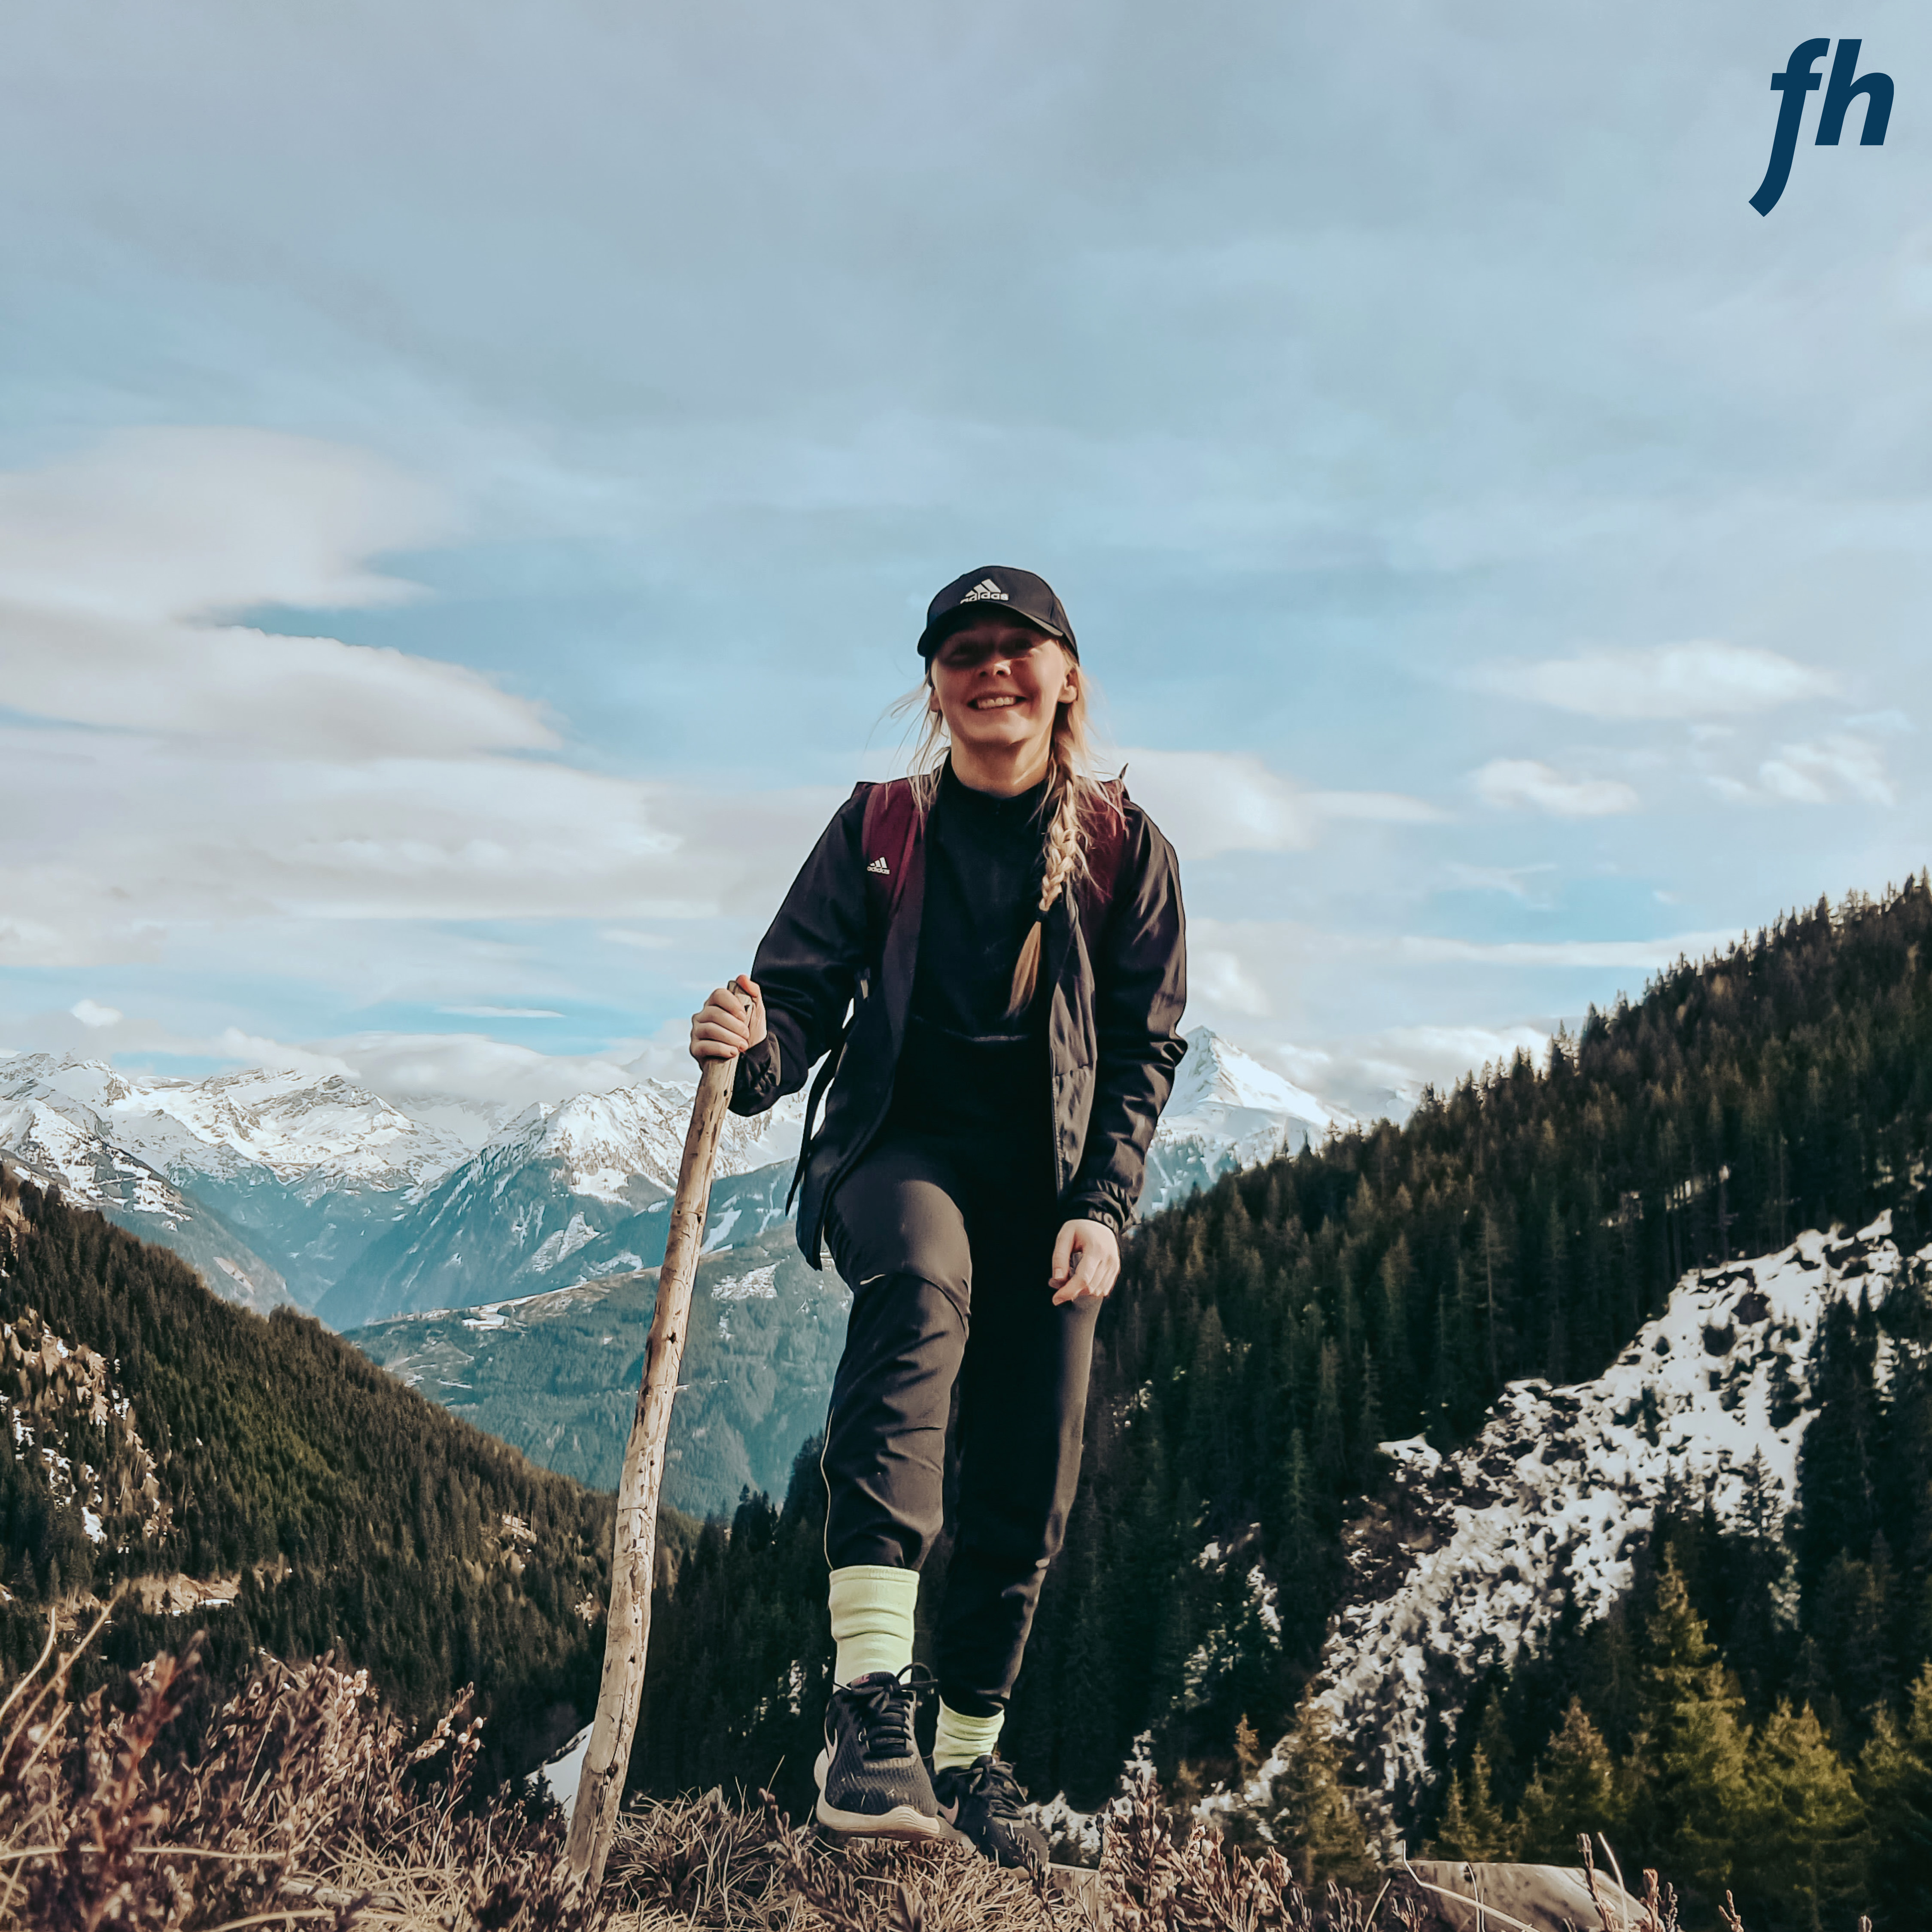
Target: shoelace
[
  {"x": 885, "y": 1709},
  {"x": 992, "y": 1779}
]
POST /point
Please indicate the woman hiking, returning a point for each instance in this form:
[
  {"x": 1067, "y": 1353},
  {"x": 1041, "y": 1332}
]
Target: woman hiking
[{"x": 1008, "y": 935}]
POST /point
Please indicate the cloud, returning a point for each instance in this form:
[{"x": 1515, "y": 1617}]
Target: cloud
[
  {"x": 116, "y": 568},
  {"x": 500, "y": 1012},
  {"x": 1525, "y": 784},
  {"x": 1385, "y": 1072},
  {"x": 1817, "y": 773},
  {"x": 1692, "y": 680},
  {"x": 1209, "y": 802},
  {"x": 472, "y": 1067},
  {"x": 91, "y": 1015},
  {"x": 1518, "y": 882},
  {"x": 193, "y": 523},
  {"x": 261, "y": 1050},
  {"x": 185, "y": 774},
  {"x": 1221, "y": 978},
  {"x": 1641, "y": 954},
  {"x": 143, "y": 842},
  {"x": 455, "y": 1066}
]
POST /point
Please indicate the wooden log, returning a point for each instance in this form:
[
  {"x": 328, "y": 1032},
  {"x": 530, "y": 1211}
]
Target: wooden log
[{"x": 627, "y": 1629}]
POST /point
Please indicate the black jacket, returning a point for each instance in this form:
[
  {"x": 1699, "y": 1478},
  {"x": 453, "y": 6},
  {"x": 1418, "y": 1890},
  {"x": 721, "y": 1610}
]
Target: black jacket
[{"x": 1113, "y": 1036}]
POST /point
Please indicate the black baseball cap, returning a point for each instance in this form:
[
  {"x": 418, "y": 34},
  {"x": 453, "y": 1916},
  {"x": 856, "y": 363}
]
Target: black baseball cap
[{"x": 1018, "y": 593}]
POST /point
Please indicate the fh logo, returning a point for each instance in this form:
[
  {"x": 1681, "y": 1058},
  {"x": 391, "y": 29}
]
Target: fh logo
[{"x": 1798, "y": 79}]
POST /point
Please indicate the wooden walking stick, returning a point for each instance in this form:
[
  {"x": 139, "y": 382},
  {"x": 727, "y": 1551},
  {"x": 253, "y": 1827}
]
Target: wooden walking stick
[{"x": 627, "y": 1630}]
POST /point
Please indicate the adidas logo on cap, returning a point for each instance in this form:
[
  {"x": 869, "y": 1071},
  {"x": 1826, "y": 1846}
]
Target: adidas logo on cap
[{"x": 985, "y": 589}]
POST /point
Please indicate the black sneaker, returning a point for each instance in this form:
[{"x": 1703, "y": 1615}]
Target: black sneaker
[
  {"x": 872, "y": 1782},
  {"x": 981, "y": 1801}
]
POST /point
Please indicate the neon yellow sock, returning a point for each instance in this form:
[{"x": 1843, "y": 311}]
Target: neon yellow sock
[
  {"x": 960, "y": 1740},
  {"x": 872, "y": 1619}
]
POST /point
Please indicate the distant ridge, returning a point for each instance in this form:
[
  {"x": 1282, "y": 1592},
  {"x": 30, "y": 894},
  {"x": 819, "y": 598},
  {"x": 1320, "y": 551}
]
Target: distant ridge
[
  {"x": 267, "y": 1182},
  {"x": 560, "y": 1194},
  {"x": 279, "y": 1186}
]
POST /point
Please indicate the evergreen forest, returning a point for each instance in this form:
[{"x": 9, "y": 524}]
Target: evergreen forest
[
  {"x": 354, "y": 1515},
  {"x": 1267, "y": 1334}
]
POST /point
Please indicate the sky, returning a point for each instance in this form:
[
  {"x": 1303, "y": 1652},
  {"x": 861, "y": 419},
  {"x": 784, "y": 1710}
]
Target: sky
[{"x": 470, "y": 477}]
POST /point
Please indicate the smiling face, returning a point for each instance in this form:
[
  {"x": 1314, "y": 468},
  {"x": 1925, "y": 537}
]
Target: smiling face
[{"x": 998, "y": 682}]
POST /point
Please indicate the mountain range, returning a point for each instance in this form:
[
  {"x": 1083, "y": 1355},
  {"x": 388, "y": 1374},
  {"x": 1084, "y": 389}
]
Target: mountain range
[
  {"x": 269, "y": 1182},
  {"x": 283, "y": 1187}
]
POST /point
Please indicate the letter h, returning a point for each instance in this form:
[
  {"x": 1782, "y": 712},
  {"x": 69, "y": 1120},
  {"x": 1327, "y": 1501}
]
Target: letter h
[{"x": 1876, "y": 88}]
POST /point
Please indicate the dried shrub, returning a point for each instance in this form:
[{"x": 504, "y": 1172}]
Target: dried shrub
[{"x": 303, "y": 1802}]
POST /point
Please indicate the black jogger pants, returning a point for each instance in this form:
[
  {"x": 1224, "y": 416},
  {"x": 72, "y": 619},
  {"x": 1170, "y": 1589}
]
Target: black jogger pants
[{"x": 946, "y": 1244}]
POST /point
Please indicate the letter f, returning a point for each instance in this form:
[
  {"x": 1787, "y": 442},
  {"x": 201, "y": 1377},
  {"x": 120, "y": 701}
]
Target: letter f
[{"x": 1796, "y": 81}]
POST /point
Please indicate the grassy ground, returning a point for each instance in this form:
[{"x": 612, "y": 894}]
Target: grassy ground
[{"x": 302, "y": 1803}]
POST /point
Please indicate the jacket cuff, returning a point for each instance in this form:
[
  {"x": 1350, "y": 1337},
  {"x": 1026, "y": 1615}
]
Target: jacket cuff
[
  {"x": 755, "y": 1087},
  {"x": 1094, "y": 1207}
]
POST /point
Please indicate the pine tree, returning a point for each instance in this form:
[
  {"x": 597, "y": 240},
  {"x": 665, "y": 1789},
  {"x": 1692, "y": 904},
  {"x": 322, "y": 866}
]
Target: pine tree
[
  {"x": 1895, "y": 1779},
  {"x": 1804, "y": 1843},
  {"x": 1573, "y": 1791},
  {"x": 1473, "y": 1827},
  {"x": 1315, "y": 1821},
  {"x": 1689, "y": 1755},
  {"x": 1247, "y": 1748}
]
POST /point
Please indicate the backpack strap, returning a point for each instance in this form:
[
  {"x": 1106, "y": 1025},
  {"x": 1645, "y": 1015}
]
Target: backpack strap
[
  {"x": 887, "y": 833},
  {"x": 1105, "y": 836},
  {"x": 890, "y": 825}
]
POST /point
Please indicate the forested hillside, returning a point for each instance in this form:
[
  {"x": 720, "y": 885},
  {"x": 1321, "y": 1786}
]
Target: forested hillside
[
  {"x": 1265, "y": 1336},
  {"x": 557, "y": 1374},
  {"x": 161, "y": 1444}
]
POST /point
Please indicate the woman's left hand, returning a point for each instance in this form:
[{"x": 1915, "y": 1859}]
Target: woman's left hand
[{"x": 1086, "y": 1261}]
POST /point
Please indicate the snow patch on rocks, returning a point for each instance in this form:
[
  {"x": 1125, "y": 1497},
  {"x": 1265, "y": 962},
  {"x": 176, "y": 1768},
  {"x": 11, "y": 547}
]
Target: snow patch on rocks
[
  {"x": 599, "y": 1144},
  {"x": 1477, "y": 1553},
  {"x": 760, "y": 1284},
  {"x": 47, "y": 1388},
  {"x": 295, "y": 1126}
]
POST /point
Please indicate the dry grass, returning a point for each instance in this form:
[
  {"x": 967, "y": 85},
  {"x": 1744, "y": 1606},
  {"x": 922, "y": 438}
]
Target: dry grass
[{"x": 303, "y": 1804}]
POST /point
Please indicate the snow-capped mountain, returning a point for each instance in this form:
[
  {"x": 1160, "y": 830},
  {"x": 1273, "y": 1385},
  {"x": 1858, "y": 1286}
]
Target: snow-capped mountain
[
  {"x": 1474, "y": 1555},
  {"x": 1227, "y": 1110},
  {"x": 302, "y": 1170},
  {"x": 285, "y": 1185},
  {"x": 323, "y": 1131},
  {"x": 564, "y": 1194},
  {"x": 53, "y": 1148}
]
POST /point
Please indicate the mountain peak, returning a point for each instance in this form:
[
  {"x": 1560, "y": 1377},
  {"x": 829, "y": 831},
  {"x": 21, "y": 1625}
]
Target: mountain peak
[
  {"x": 604, "y": 1139},
  {"x": 1218, "y": 1075}
]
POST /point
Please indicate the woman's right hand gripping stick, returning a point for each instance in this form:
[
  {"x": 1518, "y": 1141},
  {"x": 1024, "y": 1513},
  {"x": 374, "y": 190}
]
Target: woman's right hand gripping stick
[{"x": 731, "y": 1022}]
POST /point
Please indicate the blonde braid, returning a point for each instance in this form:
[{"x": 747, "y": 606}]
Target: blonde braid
[{"x": 1062, "y": 863}]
